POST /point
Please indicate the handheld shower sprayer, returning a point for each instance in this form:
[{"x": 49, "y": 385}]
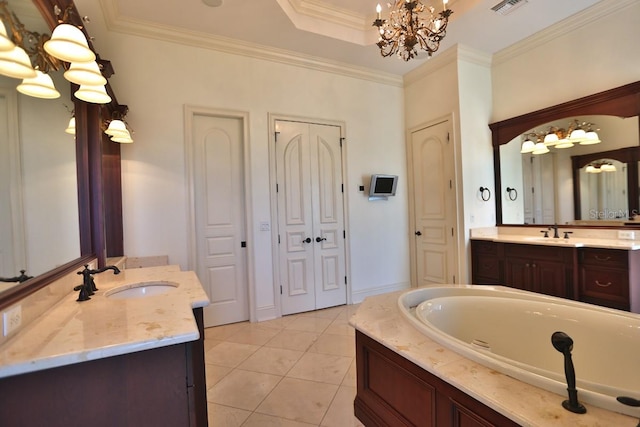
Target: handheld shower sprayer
[{"x": 564, "y": 344}]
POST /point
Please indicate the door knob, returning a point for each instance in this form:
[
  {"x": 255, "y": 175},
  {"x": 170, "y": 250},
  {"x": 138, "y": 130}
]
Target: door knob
[
  {"x": 320, "y": 239},
  {"x": 418, "y": 233},
  {"x": 307, "y": 240}
]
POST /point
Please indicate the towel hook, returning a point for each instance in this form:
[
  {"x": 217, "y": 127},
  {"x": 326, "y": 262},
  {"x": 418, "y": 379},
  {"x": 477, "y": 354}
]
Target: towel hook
[{"x": 484, "y": 190}]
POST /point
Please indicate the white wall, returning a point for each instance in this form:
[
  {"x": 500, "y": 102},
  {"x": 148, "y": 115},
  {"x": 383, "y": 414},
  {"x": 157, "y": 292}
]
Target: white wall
[
  {"x": 457, "y": 82},
  {"x": 156, "y": 79},
  {"x": 594, "y": 51}
]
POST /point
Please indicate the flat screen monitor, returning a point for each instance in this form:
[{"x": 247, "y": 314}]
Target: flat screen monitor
[{"x": 383, "y": 185}]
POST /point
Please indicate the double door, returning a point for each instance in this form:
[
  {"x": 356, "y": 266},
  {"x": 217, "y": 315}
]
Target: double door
[{"x": 311, "y": 234}]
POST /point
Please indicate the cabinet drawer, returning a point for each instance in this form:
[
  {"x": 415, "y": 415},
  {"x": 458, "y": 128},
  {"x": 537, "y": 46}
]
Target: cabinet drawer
[
  {"x": 604, "y": 283},
  {"x": 539, "y": 252},
  {"x": 610, "y": 258},
  {"x": 483, "y": 247}
]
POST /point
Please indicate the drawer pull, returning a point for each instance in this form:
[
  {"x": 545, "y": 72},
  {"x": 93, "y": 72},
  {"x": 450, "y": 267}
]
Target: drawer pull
[
  {"x": 603, "y": 285},
  {"x": 607, "y": 258}
]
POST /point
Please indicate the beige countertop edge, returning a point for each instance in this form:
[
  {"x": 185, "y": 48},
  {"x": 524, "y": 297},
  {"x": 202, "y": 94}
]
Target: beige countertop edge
[
  {"x": 576, "y": 242},
  {"x": 73, "y": 332},
  {"x": 379, "y": 318}
]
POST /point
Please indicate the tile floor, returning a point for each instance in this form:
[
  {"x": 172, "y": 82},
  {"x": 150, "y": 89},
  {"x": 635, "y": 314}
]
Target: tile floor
[{"x": 295, "y": 371}]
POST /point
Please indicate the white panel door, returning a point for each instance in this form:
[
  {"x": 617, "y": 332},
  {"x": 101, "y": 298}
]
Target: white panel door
[
  {"x": 435, "y": 205},
  {"x": 310, "y": 216},
  {"x": 219, "y": 217}
]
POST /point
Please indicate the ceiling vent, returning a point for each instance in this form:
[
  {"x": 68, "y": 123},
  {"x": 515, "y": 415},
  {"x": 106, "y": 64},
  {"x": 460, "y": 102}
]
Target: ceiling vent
[{"x": 508, "y": 6}]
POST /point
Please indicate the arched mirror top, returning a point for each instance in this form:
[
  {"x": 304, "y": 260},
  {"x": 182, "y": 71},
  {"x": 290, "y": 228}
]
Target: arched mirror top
[{"x": 623, "y": 101}]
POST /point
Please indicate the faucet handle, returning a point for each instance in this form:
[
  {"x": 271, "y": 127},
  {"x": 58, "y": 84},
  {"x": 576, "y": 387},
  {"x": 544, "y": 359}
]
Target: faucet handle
[
  {"x": 546, "y": 233},
  {"x": 566, "y": 234}
]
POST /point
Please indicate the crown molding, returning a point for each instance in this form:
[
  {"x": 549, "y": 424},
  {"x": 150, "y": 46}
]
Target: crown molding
[
  {"x": 454, "y": 54},
  {"x": 322, "y": 11},
  {"x": 126, "y": 25},
  {"x": 559, "y": 29}
]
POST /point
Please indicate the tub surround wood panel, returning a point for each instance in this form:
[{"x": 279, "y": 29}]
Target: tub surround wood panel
[
  {"x": 414, "y": 397},
  {"x": 462, "y": 392}
]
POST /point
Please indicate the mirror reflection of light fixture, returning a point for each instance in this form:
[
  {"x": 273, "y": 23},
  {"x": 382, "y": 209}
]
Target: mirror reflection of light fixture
[
  {"x": 5, "y": 42},
  {"x": 407, "y": 29},
  {"x": 93, "y": 94},
  {"x": 600, "y": 166},
  {"x": 540, "y": 148},
  {"x": 15, "y": 63},
  {"x": 527, "y": 146},
  {"x": 40, "y": 86}
]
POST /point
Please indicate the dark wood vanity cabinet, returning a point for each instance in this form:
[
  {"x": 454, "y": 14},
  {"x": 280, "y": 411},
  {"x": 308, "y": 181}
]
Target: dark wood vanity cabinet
[
  {"x": 393, "y": 391},
  {"x": 607, "y": 275},
  {"x": 486, "y": 262},
  {"x": 544, "y": 269},
  {"x": 158, "y": 387},
  {"x": 601, "y": 276}
]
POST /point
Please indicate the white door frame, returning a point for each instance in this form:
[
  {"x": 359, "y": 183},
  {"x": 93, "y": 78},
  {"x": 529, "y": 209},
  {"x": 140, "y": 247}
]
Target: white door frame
[
  {"x": 272, "y": 118},
  {"x": 189, "y": 112},
  {"x": 460, "y": 250}
]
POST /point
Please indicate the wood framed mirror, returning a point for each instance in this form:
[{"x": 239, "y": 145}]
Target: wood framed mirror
[
  {"x": 97, "y": 163},
  {"x": 623, "y": 101}
]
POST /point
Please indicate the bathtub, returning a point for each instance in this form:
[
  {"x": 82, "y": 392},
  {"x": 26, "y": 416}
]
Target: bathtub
[{"x": 510, "y": 331}]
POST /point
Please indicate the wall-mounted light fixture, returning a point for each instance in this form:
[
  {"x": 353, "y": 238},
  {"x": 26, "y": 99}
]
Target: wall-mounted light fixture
[{"x": 118, "y": 129}]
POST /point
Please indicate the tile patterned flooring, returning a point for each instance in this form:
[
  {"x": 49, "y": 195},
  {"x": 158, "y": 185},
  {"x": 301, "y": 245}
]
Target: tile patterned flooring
[{"x": 295, "y": 371}]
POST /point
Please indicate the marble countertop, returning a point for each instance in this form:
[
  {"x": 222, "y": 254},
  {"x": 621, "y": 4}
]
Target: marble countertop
[
  {"x": 578, "y": 239},
  {"x": 379, "y": 318},
  {"x": 72, "y": 332}
]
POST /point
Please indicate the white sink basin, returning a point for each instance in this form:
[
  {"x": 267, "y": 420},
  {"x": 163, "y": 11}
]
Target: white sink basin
[{"x": 141, "y": 290}]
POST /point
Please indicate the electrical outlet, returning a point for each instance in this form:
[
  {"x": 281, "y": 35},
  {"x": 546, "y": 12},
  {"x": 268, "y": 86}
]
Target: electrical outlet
[
  {"x": 12, "y": 319},
  {"x": 264, "y": 226},
  {"x": 626, "y": 234}
]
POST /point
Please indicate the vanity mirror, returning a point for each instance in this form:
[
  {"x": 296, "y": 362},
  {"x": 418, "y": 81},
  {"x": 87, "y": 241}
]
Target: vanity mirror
[
  {"x": 63, "y": 196},
  {"x": 615, "y": 115}
]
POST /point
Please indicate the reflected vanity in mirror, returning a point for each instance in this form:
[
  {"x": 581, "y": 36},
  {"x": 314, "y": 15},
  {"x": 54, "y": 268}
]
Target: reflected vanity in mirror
[
  {"x": 56, "y": 192},
  {"x": 545, "y": 187}
]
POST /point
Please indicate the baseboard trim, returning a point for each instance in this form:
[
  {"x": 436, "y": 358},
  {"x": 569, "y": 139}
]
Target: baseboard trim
[{"x": 359, "y": 296}]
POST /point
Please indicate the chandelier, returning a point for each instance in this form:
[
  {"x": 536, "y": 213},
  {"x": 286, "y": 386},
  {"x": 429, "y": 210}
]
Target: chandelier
[
  {"x": 406, "y": 30},
  {"x": 582, "y": 133}
]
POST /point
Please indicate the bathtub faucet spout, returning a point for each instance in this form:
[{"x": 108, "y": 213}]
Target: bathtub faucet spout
[{"x": 564, "y": 344}]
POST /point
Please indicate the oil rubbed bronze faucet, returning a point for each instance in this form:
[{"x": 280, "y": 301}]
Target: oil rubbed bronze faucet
[
  {"x": 21, "y": 278},
  {"x": 88, "y": 286},
  {"x": 554, "y": 227}
]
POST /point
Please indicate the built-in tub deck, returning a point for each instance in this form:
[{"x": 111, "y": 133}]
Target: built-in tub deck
[{"x": 510, "y": 331}]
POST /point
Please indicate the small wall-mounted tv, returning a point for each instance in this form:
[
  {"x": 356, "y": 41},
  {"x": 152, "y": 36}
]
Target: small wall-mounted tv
[{"x": 383, "y": 186}]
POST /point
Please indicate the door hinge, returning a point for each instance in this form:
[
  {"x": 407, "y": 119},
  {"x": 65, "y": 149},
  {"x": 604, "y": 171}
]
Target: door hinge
[
  {"x": 454, "y": 279},
  {"x": 344, "y": 234},
  {"x": 275, "y": 134},
  {"x": 280, "y": 289},
  {"x": 451, "y": 231},
  {"x": 345, "y": 280},
  {"x": 342, "y": 187},
  {"x": 448, "y": 138},
  {"x": 276, "y": 187},
  {"x": 278, "y": 239},
  {"x": 243, "y": 244},
  {"x": 450, "y": 184}
]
